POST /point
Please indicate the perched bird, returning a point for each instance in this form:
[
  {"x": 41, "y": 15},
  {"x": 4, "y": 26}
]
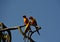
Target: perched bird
[
  {"x": 33, "y": 22},
  {"x": 26, "y": 22}
]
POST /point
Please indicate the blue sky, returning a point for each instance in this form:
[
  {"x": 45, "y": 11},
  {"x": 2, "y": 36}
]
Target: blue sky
[{"x": 46, "y": 12}]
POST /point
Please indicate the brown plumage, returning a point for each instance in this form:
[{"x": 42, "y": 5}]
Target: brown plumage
[
  {"x": 26, "y": 22},
  {"x": 33, "y": 22}
]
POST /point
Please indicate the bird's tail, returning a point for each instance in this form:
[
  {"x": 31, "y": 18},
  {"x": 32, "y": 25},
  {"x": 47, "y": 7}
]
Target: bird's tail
[{"x": 38, "y": 30}]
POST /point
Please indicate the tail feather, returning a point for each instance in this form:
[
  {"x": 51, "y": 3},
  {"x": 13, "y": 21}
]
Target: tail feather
[{"x": 37, "y": 31}]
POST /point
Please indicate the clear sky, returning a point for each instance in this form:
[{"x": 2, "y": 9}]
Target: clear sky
[{"x": 46, "y": 12}]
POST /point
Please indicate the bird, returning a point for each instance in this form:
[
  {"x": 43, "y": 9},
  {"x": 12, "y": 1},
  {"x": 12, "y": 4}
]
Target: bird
[
  {"x": 27, "y": 24},
  {"x": 33, "y": 22}
]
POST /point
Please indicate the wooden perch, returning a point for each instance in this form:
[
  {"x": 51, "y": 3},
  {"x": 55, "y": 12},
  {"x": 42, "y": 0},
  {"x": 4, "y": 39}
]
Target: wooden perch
[
  {"x": 12, "y": 28},
  {"x": 31, "y": 40},
  {"x": 36, "y": 29}
]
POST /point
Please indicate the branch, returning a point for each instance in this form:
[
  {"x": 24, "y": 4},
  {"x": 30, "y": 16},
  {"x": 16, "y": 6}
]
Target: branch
[
  {"x": 12, "y": 28},
  {"x": 36, "y": 29},
  {"x": 25, "y": 35}
]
